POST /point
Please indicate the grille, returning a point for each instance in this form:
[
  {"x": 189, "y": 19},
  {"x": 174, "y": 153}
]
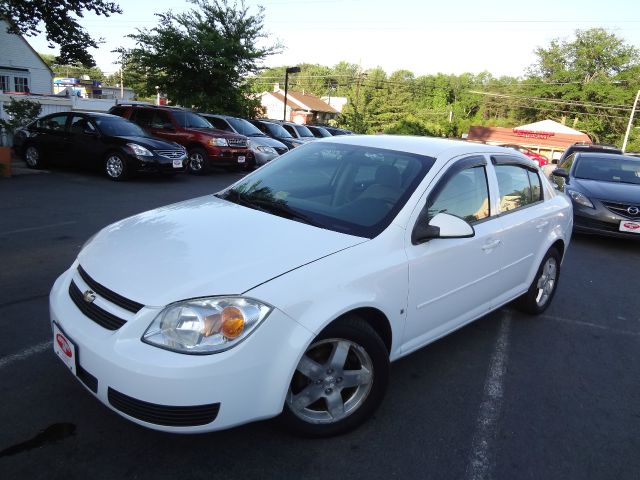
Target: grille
[
  {"x": 110, "y": 295},
  {"x": 281, "y": 150},
  {"x": 237, "y": 142},
  {"x": 95, "y": 313},
  {"x": 170, "y": 416},
  {"x": 89, "y": 380},
  {"x": 621, "y": 209},
  {"x": 597, "y": 224},
  {"x": 173, "y": 154}
]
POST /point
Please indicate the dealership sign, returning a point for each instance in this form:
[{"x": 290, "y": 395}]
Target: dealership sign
[{"x": 532, "y": 133}]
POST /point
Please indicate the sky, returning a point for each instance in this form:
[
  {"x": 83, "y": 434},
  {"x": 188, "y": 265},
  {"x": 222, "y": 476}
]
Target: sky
[{"x": 422, "y": 36}]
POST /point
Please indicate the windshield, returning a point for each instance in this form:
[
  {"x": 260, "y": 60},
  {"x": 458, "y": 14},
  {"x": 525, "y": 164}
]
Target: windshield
[
  {"x": 277, "y": 130},
  {"x": 608, "y": 169},
  {"x": 119, "y": 127},
  {"x": 245, "y": 128},
  {"x": 191, "y": 120},
  {"x": 303, "y": 131},
  {"x": 345, "y": 188}
]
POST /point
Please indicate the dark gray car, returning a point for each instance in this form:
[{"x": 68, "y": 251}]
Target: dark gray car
[
  {"x": 605, "y": 192},
  {"x": 264, "y": 148}
]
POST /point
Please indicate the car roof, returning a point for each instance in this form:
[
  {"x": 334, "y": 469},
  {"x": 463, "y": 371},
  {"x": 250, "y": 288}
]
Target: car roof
[
  {"x": 611, "y": 156},
  {"x": 428, "y": 146}
]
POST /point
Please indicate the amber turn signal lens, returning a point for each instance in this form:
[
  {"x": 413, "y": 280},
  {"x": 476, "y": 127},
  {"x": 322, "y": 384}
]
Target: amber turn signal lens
[{"x": 232, "y": 322}]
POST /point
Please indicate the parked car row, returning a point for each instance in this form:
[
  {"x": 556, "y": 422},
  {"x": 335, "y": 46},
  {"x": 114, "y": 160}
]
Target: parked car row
[{"x": 128, "y": 139}]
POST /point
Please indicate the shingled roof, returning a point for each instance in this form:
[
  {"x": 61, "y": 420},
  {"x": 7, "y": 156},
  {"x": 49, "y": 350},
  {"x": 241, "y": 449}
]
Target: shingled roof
[{"x": 304, "y": 101}]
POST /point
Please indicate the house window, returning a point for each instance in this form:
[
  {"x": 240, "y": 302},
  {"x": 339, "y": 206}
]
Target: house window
[
  {"x": 21, "y": 84},
  {"x": 4, "y": 83}
]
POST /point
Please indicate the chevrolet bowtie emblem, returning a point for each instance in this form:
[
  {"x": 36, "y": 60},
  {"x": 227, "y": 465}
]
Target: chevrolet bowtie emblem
[{"x": 89, "y": 296}]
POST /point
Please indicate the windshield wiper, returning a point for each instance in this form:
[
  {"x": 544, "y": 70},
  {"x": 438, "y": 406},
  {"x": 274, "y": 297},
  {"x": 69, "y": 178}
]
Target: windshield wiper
[{"x": 282, "y": 210}]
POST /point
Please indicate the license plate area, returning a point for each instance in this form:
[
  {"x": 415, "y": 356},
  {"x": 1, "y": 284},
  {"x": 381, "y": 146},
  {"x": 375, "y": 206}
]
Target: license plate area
[
  {"x": 629, "y": 226},
  {"x": 177, "y": 164},
  {"x": 65, "y": 349},
  {"x": 241, "y": 158}
]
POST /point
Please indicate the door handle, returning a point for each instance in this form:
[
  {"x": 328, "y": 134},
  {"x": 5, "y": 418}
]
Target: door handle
[{"x": 491, "y": 244}]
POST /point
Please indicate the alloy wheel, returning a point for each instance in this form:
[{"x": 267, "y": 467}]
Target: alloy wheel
[
  {"x": 32, "y": 157},
  {"x": 114, "y": 166},
  {"x": 332, "y": 380},
  {"x": 547, "y": 281}
]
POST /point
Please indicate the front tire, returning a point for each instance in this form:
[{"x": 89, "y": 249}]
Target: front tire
[
  {"x": 544, "y": 285},
  {"x": 198, "y": 161},
  {"x": 33, "y": 157},
  {"x": 115, "y": 167},
  {"x": 339, "y": 382}
]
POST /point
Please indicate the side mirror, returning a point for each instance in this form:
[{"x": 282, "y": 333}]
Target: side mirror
[
  {"x": 90, "y": 132},
  {"x": 442, "y": 225},
  {"x": 560, "y": 172}
]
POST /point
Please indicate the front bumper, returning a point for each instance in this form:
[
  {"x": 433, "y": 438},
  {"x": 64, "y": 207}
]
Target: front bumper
[
  {"x": 599, "y": 221},
  {"x": 151, "y": 386},
  {"x": 228, "y": 156},
  {"x": 158, "y": 163}
]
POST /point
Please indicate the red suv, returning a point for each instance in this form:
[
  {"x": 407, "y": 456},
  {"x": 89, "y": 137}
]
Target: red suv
[{"x": 206, "y": 145}]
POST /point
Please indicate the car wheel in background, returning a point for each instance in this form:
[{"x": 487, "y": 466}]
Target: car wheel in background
[
  {"x": 198, "y": 161},
  {"x": 339, "y": 381},
  {"x": 33, "y": 157},
  {"x": 116, "y": 167},
  {"x": 544, "y": 285}
]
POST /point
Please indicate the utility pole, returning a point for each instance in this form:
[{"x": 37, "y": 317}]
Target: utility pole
[
  {"x": 633, "y": 112},
  {"x": 121, "y": 84},
  {"x": 286, "y": 88}
]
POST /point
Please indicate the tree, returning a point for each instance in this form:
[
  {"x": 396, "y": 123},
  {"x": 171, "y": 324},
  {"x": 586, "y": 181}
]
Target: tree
[
  {"x": 77, "y": 71},
  {"x": 200, "y": 58},
  {"x": 21, "y": 112},
  {"x": 61, "y": 28}
]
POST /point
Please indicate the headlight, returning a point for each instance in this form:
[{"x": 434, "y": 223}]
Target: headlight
[
  {"x": 219, "y": 142},
  {"x": 266, "y": 149},
  {"x": 580, "y": 199},
  {"x": 139, "y": 150},
  {"x": 206, "y": 325}
]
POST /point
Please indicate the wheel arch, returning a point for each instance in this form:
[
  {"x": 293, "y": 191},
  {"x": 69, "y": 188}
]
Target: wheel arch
[{"x": 376, "y": 320}]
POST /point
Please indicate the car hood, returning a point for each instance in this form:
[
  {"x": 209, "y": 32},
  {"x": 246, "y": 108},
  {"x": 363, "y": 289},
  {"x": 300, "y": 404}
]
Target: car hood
[
  {"x": 202, "y": 247},
  {"x": 214, "y": 132},
  {"x": 150, "y": 142},
  {"x": 266, "y": 141},
  {"x": 611, "y": 191}
]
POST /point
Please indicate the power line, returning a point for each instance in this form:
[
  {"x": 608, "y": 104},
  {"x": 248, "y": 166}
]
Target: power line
[{"x": 550, "y": 100}]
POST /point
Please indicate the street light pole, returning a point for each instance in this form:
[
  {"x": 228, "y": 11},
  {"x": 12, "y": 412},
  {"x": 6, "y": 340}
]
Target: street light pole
[
  {"x": 286, "y": 88},
  {"x": 633, "y": 112}
]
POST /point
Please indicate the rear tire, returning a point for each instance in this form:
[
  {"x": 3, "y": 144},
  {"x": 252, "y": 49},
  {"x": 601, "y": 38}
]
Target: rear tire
[
  {"x": 544, "y": 285},
  {"x": 198, "y": 161},
  {"x": 339, "y": 382}
]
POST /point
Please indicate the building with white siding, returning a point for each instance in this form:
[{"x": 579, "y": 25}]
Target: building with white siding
[{"x": 21, "y": 68}]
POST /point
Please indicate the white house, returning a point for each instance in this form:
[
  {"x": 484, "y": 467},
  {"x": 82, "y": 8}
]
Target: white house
[
  {"x": 301, "y": 107},
  {"x": 21, "y": 68}
]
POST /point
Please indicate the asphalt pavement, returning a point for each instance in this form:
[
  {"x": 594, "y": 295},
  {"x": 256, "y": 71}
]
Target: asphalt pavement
[{"x": 507, "y": 397}]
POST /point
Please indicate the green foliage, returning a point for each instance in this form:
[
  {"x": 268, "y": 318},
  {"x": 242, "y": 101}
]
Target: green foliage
[
  {"x": 77, "y": 70},
  {"x": 588, "y": 83},
  {"x": 21, "y": 112},
  {"x": 200, "y": 58},
  {"x": 61, "y": 28}
]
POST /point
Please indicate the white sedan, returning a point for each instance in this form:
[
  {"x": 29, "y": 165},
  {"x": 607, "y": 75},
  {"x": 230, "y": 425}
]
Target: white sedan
[{"x": 370, "y": 248}]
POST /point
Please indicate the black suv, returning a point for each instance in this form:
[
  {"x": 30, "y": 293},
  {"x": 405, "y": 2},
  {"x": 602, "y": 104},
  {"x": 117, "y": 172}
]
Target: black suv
[
  {"x": 207, "y": 146},
  {"x": 111, "y": 143},
  {"x": 588, "y": 147}
]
